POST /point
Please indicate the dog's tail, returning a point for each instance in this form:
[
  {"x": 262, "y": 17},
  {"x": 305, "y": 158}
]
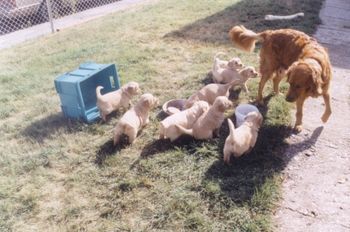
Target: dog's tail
[
  {"x": 184, "y": 130},
  {"x": 243, "y": 38},
  {"x": 231, "y": 127},
  {"x": 98, "y": 92}
]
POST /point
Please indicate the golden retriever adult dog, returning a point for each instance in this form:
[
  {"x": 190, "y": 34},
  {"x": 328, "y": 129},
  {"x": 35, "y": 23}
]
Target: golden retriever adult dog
[
  {"x": 307, "y": 63},
  {"x": 135, "y": 118},
  {"x": 208, "y": 124},
  {"x": 112, "y": 101},
  {"x": 242, "y": 139},
  {"x": 183, "y": 118}
]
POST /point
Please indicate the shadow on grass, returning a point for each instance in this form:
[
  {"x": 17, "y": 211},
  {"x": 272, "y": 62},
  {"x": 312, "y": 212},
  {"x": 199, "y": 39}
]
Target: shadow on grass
[
  {"x": 214, "y": 28},
  {"x": 48, "y": 127},
  {"x": 162, "y": 145},
  {"x": 240, "y": 180},
  {"x": 108, "y": 149},
  {"x": 208, "y": 79}
]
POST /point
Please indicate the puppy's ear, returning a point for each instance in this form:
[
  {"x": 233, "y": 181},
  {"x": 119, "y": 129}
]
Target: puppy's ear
[
  {"x": 221, "y": 107},
  {"x": 131, "y": 88},
  {"x": 147, "y": 102},
  {"x": 155, "y": 101},
  {"x": 229, "y": 104},
  {"x": 150, "y": 101},
  {"x": 259, "y": 120},
  {"x": 224, "y": 105}
]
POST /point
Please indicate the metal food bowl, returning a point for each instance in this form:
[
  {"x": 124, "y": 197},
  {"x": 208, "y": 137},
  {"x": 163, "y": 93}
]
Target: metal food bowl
[{"x": 242, "y": 110}]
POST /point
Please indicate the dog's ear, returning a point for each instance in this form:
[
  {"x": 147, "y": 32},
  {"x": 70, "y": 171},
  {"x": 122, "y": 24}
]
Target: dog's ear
[
  {"x": 290, "y": 70},
  {"x": 317, "y": 82}
]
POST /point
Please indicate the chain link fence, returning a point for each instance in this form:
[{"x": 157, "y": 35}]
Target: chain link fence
[{"x": 20, "y": 14}]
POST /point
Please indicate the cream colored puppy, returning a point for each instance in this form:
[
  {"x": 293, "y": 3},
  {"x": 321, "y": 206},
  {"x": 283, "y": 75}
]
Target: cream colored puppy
[
  {"x": 234, "y": 63},
  {"x": 244, "y": 75},
  {"x": 135, "y": 118},
  {"x": 228, "y": 75},
  {"x": 210, "y": 92},
  {"x": 112, "y": 101},
  {"x": 242, "y": 139},
  {"x": 223, "y": 70},
  {"x": 183, "y": 118},
  {"x": 219, "y": 62},
  {"x": 210, "y": 122}
]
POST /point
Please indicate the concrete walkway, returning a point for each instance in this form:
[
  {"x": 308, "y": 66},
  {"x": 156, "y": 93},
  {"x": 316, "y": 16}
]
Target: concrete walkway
[
  {"x": 36, "y": 31},
  {"x": 316, "y": 186},
  {"x": 334, "y": 32}
]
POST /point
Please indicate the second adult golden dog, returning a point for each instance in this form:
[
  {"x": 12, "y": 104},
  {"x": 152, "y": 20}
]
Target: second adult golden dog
[{"x": 307, "y": 64}]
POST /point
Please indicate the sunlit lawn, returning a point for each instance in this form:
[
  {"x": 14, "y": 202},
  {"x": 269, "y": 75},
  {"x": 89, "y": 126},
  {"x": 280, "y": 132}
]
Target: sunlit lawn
[{"x": 63, "y": 175}]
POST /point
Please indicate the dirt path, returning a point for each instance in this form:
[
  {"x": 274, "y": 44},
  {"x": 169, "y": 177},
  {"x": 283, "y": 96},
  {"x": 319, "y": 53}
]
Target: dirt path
[{"x": 316, "y": 187}]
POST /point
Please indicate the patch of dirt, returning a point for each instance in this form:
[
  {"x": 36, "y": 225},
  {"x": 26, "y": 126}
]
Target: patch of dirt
[{"x": 316, "y": 186}]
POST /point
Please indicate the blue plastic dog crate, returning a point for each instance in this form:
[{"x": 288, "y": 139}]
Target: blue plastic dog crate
[{"x": 77, "y": 89}]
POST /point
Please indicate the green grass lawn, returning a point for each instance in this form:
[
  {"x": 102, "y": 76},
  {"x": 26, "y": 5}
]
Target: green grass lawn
[{"x": 62, "y": 175}]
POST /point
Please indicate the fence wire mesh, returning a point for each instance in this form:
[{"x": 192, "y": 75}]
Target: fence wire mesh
[{"x": 20, "y": 14}]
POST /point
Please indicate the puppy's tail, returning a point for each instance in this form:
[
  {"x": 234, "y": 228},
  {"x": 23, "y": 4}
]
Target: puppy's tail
[
  {"x": 217, "y": 54},
  {"x": 231, "y": 127},
  {"x": 215, "y": 64},
  {"x": 243, "y": 38},
  {"x": 184, "y": 130},
  {"x": 98, "y": 92},
  {"x": 232, "y": 83}
]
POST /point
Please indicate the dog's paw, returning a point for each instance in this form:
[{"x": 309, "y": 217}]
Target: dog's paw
[
  {"x": 325, "y": 117},
  {"x": 298, "y": 128},
  {"x": 277, "y": 94}
]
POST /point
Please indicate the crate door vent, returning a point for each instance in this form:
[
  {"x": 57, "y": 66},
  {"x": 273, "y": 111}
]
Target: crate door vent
[{"x": 111, "y": 80}]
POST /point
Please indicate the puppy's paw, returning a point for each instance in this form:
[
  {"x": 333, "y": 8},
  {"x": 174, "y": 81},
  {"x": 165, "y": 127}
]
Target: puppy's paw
[
  {"x": 260, "y": 102},
  {"x": 227, "y": 160},
  {"x": 298, "y": 128}
]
